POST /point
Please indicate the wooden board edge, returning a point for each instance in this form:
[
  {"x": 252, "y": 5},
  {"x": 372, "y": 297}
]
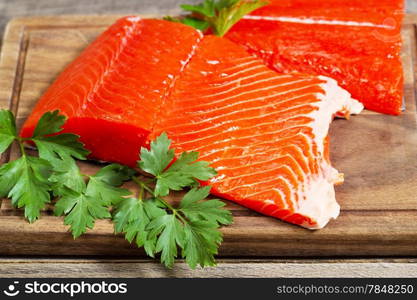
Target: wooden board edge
[
  {"x": 9, "y": 57},
  {"x": 230, "y": 268},
  {"x": 17, "y": 27},
  {"x": 249, "y": 237}
]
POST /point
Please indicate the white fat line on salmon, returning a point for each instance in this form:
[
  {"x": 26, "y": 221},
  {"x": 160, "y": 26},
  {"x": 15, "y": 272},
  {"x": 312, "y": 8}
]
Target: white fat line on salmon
[
  {"x": 282, "y": 196},
  {"x": 268, "y": 183},
  {"x": 283, "y": 205},
  {"x": 217, "y": 178},
  {"x": 258, "y": 99},
  {"x": 263, "y": 89},
  {"x": 265, "y": 170},
  {"x": 171, "y": 86},
  {"x": 221, "y": 147},
  {"x": 130, "y": 34},
  {"x": 233, "y": 69},
  {"x": 318, "y": 21},
  {"x": 264, "y": 76},
  {"x": 236, "y": 127},
  {"x": 247, "y": 101},
  {"x": 245, "y": 85},
  {"x": 229, "y": 82},
  {"x": 227, "y": 140},
  {"x": 301, "y": 165},
  {"x": 272, "y": 180},
  {"x": 265, "y": 188},
  {"x": 277, "y": 150},
  {"x": 257, "y": 125},
  {"x": 239, "y": 63}
]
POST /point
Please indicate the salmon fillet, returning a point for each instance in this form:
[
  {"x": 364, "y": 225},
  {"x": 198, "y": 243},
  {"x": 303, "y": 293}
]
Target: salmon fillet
[
  {"x": 265, "y": 133},
  {"x": 113, "y": 91},
  {"x": 358, "y": 43}
]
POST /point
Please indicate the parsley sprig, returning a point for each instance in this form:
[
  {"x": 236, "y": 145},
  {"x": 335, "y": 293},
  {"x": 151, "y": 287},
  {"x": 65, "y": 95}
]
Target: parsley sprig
[
  {"x": 189, "y": 229},
  {"x": 161, "y": 227},
  {"x": 31, "y": 181},
  {"x": 92, "y": 200},
  {"x": 217, "y": 15},
  {"x": 26, "y": 179}
]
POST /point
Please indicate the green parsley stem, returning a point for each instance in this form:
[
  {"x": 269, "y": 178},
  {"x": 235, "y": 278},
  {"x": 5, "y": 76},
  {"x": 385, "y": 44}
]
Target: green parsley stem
[
  {"x": 144, "y": 186},
  {"x": 22, "y": 147},
  {"x": 173, "y": 209},
  {"x": 141, "y": 190}
]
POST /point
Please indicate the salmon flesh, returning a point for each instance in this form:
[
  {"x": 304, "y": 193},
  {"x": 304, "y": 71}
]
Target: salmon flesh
[
  {"x": 265, "y": 133},
  {"x": 356, "y": 42}
]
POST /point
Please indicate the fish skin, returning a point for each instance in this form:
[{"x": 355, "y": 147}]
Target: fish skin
[
  {"x": 365, "y": 60},
  {"x": 265, "y": 133}
]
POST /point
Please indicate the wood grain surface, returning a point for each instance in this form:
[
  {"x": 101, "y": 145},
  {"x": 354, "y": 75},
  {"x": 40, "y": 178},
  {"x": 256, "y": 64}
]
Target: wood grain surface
[
  {"x": 227, "y": 268},
  {"x": 376, "y": 152}
]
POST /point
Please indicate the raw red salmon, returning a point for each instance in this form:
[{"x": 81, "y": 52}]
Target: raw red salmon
[
  {"x": 265, "y": 133},
  {"x": 112, "y": 93},
  {"x": 358, "y": 43}
]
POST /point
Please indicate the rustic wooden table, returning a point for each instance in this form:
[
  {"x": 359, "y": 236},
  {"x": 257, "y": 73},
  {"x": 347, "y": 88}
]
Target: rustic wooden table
[{"x": 124, "y": 267}]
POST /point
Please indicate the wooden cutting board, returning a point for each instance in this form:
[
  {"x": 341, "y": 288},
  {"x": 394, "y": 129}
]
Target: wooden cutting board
[{"x": 377, "y": 154}]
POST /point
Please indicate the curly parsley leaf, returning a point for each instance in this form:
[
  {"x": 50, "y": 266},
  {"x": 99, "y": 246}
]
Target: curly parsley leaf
[
  {"x": 105, "y": 184},
  {"x": 185, "y": 171},
  {"x": 201, "y": 242},
  {"x": 196, "y": 23},
  {"x": 114, "y": 174},
  {"x": 162, "y": 228},
  {"x": 229, "y": 15},
  {"x": 155, "y": 160},
  {"x": 60, "y": 150},
  {"x": 61, "y": 146},
  {"x": 76, "y": 206},
  {"x": 212, "y": 211},
  {"x": 66, "y": 174},
  {"x": 29, "y": 180},
  {"x": 49, "y": 123},
  {"x": 83, "y": 207},
  {"x": 170, "y": 232},
  {"x": 149, "y": 219},
  {"x": 219, "y": 15},
  {"x": 202, "y": 237},
  {"x": 7, "y": 129},
  {"x": 188, "y": 166},
  {"x": 25, "y": 181},
  {"x": 132, "y": 216}
]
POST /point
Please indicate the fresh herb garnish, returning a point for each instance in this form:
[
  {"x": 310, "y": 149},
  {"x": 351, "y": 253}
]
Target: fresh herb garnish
[
  {"x": 82, "y": 207},
  {"x": 218, "y": 15},
  {"x": 31, "y": 180},
  {"x": 148, "y": 218},
  {"x": 26, "y": 180},
  {"x": 162, "y": 227}
]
